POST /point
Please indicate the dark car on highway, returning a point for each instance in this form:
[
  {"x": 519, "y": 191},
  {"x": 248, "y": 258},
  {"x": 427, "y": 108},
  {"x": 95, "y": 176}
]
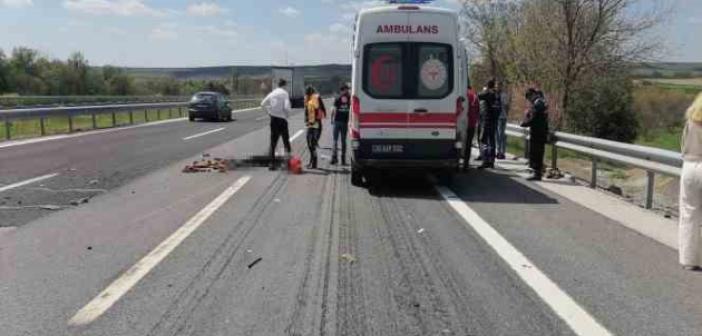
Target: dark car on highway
[{"x": 209, "y": 106}]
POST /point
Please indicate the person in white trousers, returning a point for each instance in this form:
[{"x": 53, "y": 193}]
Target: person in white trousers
[{"x": 691, "y": 189}]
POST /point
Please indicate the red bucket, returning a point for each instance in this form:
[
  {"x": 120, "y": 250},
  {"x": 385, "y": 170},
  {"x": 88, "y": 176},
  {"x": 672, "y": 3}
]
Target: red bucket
[{"x": 295, "y": 165}]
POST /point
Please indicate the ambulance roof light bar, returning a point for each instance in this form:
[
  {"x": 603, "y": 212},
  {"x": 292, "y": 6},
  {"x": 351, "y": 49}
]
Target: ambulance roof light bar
[{"x": 407, "y": 4}]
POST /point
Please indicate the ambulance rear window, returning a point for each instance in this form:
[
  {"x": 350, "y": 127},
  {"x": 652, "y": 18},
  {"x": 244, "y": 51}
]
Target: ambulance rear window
[{"x": 408, "y": 70}]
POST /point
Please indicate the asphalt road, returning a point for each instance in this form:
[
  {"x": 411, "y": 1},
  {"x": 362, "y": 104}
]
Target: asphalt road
[{"x": 254, "y": 252}]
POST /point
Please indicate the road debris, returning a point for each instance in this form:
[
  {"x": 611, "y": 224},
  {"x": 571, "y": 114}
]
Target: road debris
[
  {"x": 50, "y": 207},
  {"x": 554, "y": 174},
  {"x": 252, "y": 264},
  {"x": 93, "y": 182},
  {"x": 89, "y": 247},
  {"x": 420, "y": 230},
  {"x": 348, "y": 258},
  {"x": 207, "y": 166}
]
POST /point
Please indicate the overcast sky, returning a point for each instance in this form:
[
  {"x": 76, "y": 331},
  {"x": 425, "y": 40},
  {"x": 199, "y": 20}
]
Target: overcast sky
[{"x": 179, "y": 33}]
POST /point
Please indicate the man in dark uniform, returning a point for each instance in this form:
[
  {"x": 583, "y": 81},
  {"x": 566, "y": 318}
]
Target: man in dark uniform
[
  {"x": 340, "y": 121},
  {"x": 537, "y": 121},
  {"x": 492, "y": 112}
]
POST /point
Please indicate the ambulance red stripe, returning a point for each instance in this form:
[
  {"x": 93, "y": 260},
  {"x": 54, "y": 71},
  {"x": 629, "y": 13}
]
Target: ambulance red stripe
[{"x": 424, "y": 118}]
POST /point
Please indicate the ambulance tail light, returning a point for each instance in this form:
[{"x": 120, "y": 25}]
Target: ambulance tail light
[{"x": 355, "y": 118}]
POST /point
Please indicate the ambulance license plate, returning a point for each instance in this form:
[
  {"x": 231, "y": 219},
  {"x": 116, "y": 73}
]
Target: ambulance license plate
[{"x": 386, "y": 149}]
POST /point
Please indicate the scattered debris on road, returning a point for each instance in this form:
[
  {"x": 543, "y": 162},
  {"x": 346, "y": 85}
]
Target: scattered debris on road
[
  {"x": 348, "y": 258},
  {"x": 252, "y": 264},
  {"x": 93, "y": 182},
  {"x": 207, "y": 166},
  {"x": 420, "y": 230},
  {"x": 554, "y": 174},
  {"x": 89, "y": 247}
]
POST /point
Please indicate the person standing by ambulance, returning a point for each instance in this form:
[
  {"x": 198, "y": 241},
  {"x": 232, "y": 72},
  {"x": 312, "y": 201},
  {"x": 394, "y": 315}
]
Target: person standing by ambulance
[
  {"x": 492, "y": 113},
  {"x": 473, "y": 117},
  {"x": 340, "y": 122},
  {"x": 537, "y": 121},
  {"x": 277, "y": 104},
  {"x": 501, "y": 140},
  {"x": 691, "y": 189},
  {"x": 314, "y": 113}
]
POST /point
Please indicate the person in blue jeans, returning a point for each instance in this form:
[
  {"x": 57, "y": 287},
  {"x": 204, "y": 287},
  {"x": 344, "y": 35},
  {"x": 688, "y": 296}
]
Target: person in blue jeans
[
  {"x": 501, "y": 134},
  {"x": 340, "y": 121}
]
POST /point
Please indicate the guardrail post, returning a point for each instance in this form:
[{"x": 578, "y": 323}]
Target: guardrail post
[
  {"x": 70, "y": 123},
  {"x": 554, "y": 156},
  {"x": 170, "y": 113},
  {"x": 131, "y": 117},
  {"x": 146, "y": 115},
  {"x": 180, "y": 111},
  {"x": 94, "y": 121},
  {"x": 114, "y": 119},
  {"x": 526, "y": 146},
  {"x": 8, "y": 134},
  {"x": 42, "y": 127},
  {"x": 593, "y": 176},
  {"x": 650, "y": 184},
  {"x": 158, "y": 114}
]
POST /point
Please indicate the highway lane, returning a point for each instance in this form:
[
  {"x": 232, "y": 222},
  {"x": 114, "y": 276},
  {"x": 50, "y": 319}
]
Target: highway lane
[
  {"x": 82, "y": 167},
  {"x": 395, "y": 259}
]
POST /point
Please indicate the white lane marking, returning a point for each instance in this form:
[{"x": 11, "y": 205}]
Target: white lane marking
[
  {"x": 13, "y": 143},
  {"x": 579, "y": 320},
  {"x": 26, "y": 182},
  {"x": 245, "y": 110},
  {"x": 297, "y": 134},
  {"x": 204, "y": 133},
  {"x": 261, "y": 118},
  {"x": 103, "y": 301}
]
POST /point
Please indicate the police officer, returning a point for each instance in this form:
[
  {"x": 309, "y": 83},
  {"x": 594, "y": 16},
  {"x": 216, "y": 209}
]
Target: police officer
[
  {"x": 537, "y": 121},
  {"x": 491, "y": 99}
]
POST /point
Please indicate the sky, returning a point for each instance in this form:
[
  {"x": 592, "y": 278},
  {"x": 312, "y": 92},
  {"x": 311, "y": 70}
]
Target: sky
[{"x": 186, "y": 33}]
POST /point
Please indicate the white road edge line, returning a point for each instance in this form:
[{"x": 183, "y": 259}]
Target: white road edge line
[
  {"x": 204, "y": 133},
  {"x": 14, "y": 143},
  {"x": 103, "y": 301},
  {"x": 579, "y": 320},
  {"x": 26, "y": 182}
]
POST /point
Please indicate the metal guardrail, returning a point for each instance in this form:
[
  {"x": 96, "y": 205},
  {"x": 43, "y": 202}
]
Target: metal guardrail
[
  {"x": 70, "y": 113},
  {"x": 51, "y": 101},
  {"x": 653, "y": 160}
]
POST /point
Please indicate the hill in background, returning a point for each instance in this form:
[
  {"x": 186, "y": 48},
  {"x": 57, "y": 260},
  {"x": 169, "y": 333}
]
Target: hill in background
[{"x": 226, "y": 72}]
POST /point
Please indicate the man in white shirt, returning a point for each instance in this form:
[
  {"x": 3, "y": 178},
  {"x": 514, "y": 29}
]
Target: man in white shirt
[{"x": 277, "y": 104}]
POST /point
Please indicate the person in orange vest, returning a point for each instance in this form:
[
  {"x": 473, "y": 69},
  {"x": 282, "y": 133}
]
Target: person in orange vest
[
  {"x": 314, "y": 113},
  {"x": 473, "y": 117}
]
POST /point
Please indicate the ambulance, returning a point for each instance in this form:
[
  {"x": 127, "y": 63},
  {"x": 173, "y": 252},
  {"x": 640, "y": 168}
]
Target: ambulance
[{"x": 409, "y": 81}]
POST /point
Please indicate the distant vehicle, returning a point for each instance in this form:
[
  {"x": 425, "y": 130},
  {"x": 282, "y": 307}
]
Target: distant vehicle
[
  {"x": 296, "y": 83},
  {"x": 408, "y": 90},
  {"x": 210, "y": 106}
]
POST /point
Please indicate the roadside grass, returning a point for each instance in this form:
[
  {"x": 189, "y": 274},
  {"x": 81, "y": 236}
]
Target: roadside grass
[
  {"x": 663, "y": 138},
  {"x": 27, "y": 128}
]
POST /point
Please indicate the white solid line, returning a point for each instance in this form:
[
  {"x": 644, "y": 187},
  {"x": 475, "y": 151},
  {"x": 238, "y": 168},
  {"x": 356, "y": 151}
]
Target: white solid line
[
  {"x": 13, "y": 143},
  {"x": 204, "y": 133},
  {"x": 26, "y": 182},
  {"x": 297, "y": 134},
  {"x": 579, "y": 320},
  {"x": 246, "y": 110},
  {"x": 103, "y": 301}
]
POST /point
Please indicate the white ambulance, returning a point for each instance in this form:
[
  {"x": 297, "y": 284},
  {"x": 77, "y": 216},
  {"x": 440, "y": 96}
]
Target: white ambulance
[{"x": 409, "y": 83}]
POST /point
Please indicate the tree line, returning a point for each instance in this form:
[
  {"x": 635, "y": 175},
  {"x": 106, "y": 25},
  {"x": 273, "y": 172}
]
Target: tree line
[
  {"x": 579, "y": 52},
  {"x": 26, "y": 71}
]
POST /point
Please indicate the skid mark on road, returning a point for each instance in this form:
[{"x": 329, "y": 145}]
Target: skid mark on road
[
  {"x": 126, "y": 281},
  {"x": 27, "y": 182},
  {"x": 579, "y": 320}
]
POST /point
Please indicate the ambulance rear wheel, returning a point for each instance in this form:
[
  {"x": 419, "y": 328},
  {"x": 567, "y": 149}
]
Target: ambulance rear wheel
[{"x": 356, "y": 177}]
